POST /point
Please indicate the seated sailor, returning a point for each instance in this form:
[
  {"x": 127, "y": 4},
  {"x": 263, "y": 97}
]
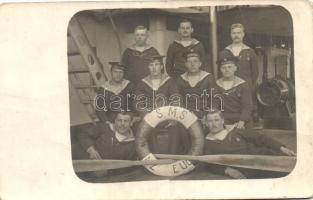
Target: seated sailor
[
  {"x": 236, "y": 94},
  {"x": 220, "y": 140},
  {"x": 154, "y": 91},
  {"x": 195, "y": 85},
  {"x": 115, "y": 95}
]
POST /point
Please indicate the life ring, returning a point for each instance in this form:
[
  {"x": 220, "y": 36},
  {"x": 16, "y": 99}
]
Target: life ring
[
  {"x": 151, "y": 120},
  {"x": 273, "y": 92}
]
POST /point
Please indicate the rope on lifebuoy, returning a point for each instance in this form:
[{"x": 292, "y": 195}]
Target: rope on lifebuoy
[{"x": 151, "y": 120}]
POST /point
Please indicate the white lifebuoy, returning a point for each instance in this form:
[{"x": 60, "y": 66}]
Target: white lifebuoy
[{"x": 151, "y": 120}]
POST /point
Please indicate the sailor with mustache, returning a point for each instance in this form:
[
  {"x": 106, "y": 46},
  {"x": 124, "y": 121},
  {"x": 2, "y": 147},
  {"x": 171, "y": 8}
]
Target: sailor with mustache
[{"x": 175, "y": 61}]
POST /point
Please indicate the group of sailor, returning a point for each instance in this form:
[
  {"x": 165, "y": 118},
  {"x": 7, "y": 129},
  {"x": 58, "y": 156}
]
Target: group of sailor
[{"x": 142, "y": 82}]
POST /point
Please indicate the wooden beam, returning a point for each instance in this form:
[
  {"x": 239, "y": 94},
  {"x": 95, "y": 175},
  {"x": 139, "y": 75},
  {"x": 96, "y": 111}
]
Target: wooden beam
[
  {"x": 261, "y": 162},
  {"x": 99, "y": 165},
  {"x": 214, "y": 47}
]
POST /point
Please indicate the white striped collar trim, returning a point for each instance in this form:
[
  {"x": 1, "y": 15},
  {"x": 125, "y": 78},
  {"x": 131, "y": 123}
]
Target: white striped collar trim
[
  {"x": 147, "y": 80},
  {"x": 238, "y": 81},
  {"x": 116, "y": 89},
  {"x": 120, "y": 137},
  {"x": 193, "y": 42},
  {"x": 133, "y": 47},
  {"x": 203, "y": 74},
  {"x": 221, "y": 135},
  {"x": 243, "y": 46}
]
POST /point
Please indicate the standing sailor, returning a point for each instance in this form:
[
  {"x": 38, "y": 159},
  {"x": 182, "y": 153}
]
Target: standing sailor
[
  {"x": 175, "y": 62},
  {"x": 136, "y": 58},
  {"x": 247, "y": 60},
  {"x": 115, "y": 95}
]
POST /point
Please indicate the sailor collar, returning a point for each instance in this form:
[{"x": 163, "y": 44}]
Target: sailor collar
[
  {"x": 116, "y": 89},
  {"x": 133, "y": 47},
  {"x": 147, "y": 80},
  {"x": 202, "y": 75},
  {"x": 243, "y": 47},
  {"x": 193, "y": 42},
  {"x": 237, "y": 81},
  {"x": 220, "y": 135},
  {"x": 120, "y": 137}
]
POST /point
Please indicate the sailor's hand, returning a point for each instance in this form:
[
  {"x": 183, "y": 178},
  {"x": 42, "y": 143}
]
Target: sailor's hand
[
  {"x": 234, "y": 173},
  {"x": 241, "y": 125},
  {"x": 93, "y": 153},
  {"x": 287, "y": 151}
]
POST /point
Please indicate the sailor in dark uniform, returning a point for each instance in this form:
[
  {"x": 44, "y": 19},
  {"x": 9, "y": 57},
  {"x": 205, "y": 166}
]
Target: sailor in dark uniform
[
  {"x": 247, "y": 60},
  {"x": 136, "y": 57},
  {"x": 195, "y": 85},
  {"x": 156, "y": 84},
  {"x": 153, "y": 91},
  {"x": 175, "y": 61},
  {"x": 236, "y": 94},
  {"x": 107, "y": 140},
  {"x": 115, "y": 95},
  {"x": 220, "y": 140}
]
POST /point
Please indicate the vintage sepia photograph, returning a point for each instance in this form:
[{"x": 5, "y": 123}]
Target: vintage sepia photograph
[
  {"x": 189, "y": 93},
  {"x": 135, "y": 99}
]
